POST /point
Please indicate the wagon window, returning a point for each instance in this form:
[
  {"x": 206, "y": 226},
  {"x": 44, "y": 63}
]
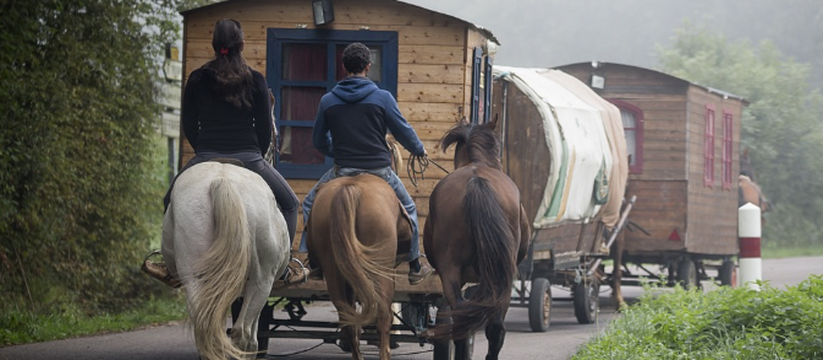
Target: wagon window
[
  {"x": 301, "y": 66},
  {"x": 481, "y": 86},
  {"x": 632, "y": 117},
  {"x": 708, "y": 148},
  {"x": 726, "y": 156}
]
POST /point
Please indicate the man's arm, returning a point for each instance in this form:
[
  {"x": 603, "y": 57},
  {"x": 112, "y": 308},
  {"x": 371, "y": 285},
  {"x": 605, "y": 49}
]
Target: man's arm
[
  {"x": 400, "y": 128},
  {"x": 320, "y": 136}
]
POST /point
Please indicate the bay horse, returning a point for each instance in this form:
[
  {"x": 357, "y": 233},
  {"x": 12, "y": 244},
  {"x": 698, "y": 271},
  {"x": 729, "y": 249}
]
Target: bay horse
[
  {"x": 476, "y": 231},
  {"x": 748, "y": 190},
  {"x": 224, "y": 238},
  {"x": 358, "y": 232}
]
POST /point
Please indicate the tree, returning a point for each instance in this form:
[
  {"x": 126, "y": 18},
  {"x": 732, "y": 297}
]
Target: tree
[
  {"x": 781, "y": 126},
  {"x": 78, "y": 199}
]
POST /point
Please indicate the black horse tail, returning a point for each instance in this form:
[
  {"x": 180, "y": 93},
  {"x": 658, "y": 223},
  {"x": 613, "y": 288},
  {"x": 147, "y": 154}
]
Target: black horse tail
[{"x": 496, "y": 262}]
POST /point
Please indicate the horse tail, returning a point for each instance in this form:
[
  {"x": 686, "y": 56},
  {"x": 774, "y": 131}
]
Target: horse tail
[
  {"x": 358, "y": 264},
  {"x": 496, "y": 262},
  {"x": 221, "y": 275}
]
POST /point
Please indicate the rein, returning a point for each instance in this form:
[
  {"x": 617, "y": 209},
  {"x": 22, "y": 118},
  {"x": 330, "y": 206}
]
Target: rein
[{"x": 418, "y": 164}]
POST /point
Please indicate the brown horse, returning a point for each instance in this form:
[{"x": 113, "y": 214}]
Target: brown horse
[
  {"x": 748, "y": 190},
  {"x": 354, "y": 233},
  {"x": 476, "y": 231}
]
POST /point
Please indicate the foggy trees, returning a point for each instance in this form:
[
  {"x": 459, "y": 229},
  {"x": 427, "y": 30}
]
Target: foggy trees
[{"x": 782, "y": 126}]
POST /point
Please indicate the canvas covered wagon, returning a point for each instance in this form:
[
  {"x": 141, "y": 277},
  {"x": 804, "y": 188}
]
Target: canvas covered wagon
[{"x": 564, "y": 147}]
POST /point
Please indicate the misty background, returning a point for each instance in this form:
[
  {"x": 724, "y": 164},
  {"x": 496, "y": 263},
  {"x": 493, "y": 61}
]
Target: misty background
[{"x": 549, "y": 33}]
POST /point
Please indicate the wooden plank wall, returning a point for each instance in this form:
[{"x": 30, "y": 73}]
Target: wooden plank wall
[
  {"x": 712, "y": 220},
  {"x": 434, "y": 70},
  {"x": 526, "y": 157},
  {"x": 661, "y": 188},
  {"x": 670, "y": 190}
]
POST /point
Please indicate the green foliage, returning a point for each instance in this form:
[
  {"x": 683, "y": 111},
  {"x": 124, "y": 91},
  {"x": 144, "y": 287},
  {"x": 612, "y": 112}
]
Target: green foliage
[
  {"x": 79, "y": 199},
  {"x": 723, "y": 324},
  {"x": 781, "y": 127}
]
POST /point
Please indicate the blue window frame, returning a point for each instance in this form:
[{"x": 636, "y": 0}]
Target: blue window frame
[
  {"x": 301, "y": 66},
  {"x": 481, "y": 87}
]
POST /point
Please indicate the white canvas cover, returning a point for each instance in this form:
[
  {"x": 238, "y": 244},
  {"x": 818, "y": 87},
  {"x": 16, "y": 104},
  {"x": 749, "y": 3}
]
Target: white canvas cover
[{"x": 584, "y": 137}]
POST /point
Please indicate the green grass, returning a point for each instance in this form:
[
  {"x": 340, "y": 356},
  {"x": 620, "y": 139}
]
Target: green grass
[
  {"x": 787, "y": 252},
  {"x": 722, "y": 324},
  {"x": 20, "y": 326}
]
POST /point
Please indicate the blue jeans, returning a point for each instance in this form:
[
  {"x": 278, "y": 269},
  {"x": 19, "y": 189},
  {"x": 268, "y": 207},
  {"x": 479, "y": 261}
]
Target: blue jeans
[{"x": 383, "y": 173}]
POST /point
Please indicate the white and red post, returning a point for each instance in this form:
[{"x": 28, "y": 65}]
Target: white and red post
[{"x": 748, "y": 230}]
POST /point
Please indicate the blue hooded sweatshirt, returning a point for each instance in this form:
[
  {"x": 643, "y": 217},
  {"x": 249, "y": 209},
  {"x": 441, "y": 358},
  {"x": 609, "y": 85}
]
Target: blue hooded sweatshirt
[{"x": 352, "y": 122}]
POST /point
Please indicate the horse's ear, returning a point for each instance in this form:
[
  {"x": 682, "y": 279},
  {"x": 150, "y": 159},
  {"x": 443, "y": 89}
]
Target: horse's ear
[
  {"x": 493, "y": 123},
  {"x": 463, "y": 121}
]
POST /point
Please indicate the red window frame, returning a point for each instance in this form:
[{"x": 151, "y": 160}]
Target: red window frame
[
  {"x": 726, "y": 157},
  {"x": 708, "y": 147},
  {"x": 637, "y": 167}
]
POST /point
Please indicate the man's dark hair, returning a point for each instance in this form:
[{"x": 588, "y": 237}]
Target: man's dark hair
[{"x": 355, "y": 58}]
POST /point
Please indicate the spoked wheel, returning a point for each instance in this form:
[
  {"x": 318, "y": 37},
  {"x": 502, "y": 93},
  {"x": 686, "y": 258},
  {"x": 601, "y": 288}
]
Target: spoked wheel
[
  {"x": 540, "y": 305},
  {"x": 586, "y": 301},
  {"x": 687, "y": 274}
]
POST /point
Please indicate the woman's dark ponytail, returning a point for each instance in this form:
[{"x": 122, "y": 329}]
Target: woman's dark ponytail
[{"x": 233, "y": 79}]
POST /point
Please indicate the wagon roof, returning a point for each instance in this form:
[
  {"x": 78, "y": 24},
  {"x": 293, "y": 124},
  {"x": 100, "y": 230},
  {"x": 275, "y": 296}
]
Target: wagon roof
[
  {"x": 599, "y": 64},
  {"x": 485, "y": 32}
]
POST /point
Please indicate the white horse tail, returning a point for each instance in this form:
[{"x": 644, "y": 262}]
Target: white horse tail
[{"x": 221, "y": 275}]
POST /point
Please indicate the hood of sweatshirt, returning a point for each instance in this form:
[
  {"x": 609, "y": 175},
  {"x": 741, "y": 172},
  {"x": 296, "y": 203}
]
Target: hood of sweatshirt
[{"x": 354, "y": 89}]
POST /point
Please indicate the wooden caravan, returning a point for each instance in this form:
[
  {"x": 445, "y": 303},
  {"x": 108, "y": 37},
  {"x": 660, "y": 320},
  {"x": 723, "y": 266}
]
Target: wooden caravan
[
  {"x": 683, "y": 144},
  {"x": 436, "y": 65}
]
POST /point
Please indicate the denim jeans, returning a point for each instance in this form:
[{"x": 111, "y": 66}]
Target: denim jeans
[{"x": 383, "y": 173}]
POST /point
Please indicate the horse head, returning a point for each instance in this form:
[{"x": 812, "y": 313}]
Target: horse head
[{"x": 476, "y": 144}]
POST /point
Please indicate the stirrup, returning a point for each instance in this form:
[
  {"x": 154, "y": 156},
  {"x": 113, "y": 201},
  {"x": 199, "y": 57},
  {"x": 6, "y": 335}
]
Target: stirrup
[
  {"x": 159, "y": 271},
  {"x": 297, "y": 275}
]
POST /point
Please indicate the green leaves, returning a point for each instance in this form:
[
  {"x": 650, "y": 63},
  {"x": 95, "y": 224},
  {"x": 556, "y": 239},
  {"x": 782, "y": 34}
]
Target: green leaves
[
  {"x": 722, "y": 324},
  {"x": 79, "y": 198}
]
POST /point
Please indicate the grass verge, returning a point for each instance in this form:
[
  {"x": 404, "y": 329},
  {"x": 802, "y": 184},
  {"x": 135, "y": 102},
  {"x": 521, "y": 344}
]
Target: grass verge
[
  {"x": 722, "y": 324},
  {"x": 20, "y": 326},
  {"x": 787, "y": 252}
]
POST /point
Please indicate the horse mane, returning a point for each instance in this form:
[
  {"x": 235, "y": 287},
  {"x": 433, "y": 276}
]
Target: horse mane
[{"x": 480, "y": 140}]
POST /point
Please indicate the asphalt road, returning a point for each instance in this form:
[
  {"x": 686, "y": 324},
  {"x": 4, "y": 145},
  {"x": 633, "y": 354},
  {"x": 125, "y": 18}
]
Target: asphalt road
[{"x": 565, "y": 335}]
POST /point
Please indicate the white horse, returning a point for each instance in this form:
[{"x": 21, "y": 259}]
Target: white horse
[{"x": 224, "y": 237}]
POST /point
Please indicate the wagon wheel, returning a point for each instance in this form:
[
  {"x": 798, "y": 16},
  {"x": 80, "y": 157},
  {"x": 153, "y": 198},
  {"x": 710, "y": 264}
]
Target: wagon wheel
[
  {"x": 728, "y": 273},
  {"x": 540, "y": 305},
  {"x": 586, "y": 301},
  {"x": 687, "y": 274}
]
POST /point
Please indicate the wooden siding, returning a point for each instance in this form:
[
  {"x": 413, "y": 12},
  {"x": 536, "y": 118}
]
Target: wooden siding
[
  {"x": 434, "y": 65},
  {"x": 670, "y": 190},
  {"x": 526, "y": 157},
  {"x": 712, "y": 210}
]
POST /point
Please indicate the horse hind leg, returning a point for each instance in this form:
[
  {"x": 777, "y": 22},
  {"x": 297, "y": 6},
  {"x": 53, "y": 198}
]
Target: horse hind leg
[
  {"x": 384, "y": 319},
  {"x": 495, "y": 334}
]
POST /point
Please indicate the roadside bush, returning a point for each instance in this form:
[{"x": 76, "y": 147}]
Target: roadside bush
[{"x": 722, "y": 324}]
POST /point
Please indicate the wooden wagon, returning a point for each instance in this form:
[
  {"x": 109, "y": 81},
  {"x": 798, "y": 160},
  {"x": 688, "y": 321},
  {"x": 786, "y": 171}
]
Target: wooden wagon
[
  {"x": 437, "y": 66},
  {"x": 683, "y": 142},
  {"x": 564, "y": 147}
]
